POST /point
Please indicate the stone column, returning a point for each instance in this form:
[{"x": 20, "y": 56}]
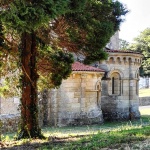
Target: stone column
[
  {"x": 98, "y": 88},
  {"x": 121, "y": 86},
  {"x": 53, "y": 107},
  {"x": 83, "y": 87},
  {"x": 105, "y": 87},
  {"x": 133, "y": 97}
]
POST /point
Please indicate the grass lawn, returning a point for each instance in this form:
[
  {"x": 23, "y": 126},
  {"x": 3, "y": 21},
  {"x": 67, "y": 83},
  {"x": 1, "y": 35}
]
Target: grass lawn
[
  {"x": 144, "y": 92},
  {"x": 115, "y": 135}
]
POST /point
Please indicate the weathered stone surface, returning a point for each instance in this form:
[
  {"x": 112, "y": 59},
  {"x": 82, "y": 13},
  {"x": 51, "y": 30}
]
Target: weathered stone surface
[
  {"x": 10, "y": 105},
  {"x": 84, "y": 99},
  {"x": 114, "y": 41},
  {"x": 120, "y": 86},
  {"x": 9, "y": 123},
  {"x": 78, "y": 103},
  {"x": 80, "y": 118},
  {"x": 144, "y": 101}
]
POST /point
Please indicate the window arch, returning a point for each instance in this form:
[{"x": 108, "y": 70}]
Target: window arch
[
  {"x": 115, "y": 84},
  {"x": 98, "y": 88},
  {"x": 118, "y": 60},
  {"x": 111, "y": 60}
]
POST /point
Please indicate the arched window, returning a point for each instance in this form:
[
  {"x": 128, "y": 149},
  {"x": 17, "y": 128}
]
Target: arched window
[
  {"x": 98, "y": 88},
  {"x": 111, "y": 60},
  {"x": 124, "y": 60},
  {"x": 115, "y": 84},
  {"x": 118, "y": 60}
]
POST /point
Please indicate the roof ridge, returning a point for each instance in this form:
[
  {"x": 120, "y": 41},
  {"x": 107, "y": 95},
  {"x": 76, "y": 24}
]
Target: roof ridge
[
  {"x": 122, "y": 51},
  {"x": 77, "y": 66}
]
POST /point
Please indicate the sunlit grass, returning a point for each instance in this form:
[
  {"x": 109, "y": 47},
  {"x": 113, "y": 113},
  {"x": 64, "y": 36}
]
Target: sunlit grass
[
  {"x": 124, "y": 134},
  {"x": 145, "y": 111},
  {"x": 90, "y": 137},
  {"x": 92, "y": 129},
  {"x": 144, "y": 92},
  {"x": 89, "y": 129},
  {"x": 102, "y": 138}
]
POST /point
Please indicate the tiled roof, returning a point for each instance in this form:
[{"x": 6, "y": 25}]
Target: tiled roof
[
  {"x": 121, "y": 51},
  {"x": 77, "y": 66}
]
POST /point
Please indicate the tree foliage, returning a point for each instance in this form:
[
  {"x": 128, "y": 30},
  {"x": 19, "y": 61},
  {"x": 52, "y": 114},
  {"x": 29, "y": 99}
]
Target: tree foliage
[
  {"x": 38, "y": 37},
  {"x": 142, "y": 44},
  {"x": 123, "y": 44},
  {"x": 94, "y": 26}
]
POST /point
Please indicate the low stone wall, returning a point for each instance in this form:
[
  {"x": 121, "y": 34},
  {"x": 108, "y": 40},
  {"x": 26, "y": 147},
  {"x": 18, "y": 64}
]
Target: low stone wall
[
  {"x": 144, "y": 101},
  {"x": 10, "y": 105},
  {"x": 9, "y": 123}
]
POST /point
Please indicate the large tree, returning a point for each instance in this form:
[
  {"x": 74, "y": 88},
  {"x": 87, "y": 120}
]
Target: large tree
[
  {"x": 123, "y": 44},
  {"x": 37, "y": 38},
  {"x": 142, "y": 44}
]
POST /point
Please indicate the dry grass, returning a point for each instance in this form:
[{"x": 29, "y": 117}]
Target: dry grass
[{"x": 144, "y": 92}]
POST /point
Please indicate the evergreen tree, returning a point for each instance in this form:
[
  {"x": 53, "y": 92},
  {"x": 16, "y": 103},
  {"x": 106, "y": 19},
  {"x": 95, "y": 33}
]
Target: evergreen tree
[
  {"x": 37, "y": 38},
  {"x": 92, "y": 28},
  {"x": 142, "y": 44}
]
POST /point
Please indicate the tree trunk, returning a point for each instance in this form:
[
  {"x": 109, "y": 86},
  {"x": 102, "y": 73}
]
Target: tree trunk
[{"x": 29, "y": 106}]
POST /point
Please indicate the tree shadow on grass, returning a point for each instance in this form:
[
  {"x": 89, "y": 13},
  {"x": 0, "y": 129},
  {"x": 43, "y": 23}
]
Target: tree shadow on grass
[
  {"x": 68, "y": 135},
  {"x": 50, "y": 143}
]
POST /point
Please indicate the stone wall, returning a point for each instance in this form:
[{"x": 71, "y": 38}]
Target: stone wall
[
  {"x": 77, "y": 101},
  {"x": 114, "y": 41},
  {"x": 10, "y": 105},
  {"x": 120, "y": 86},
  {"x": 9, "y": 123},
  {"x": 144, "y": 101}
]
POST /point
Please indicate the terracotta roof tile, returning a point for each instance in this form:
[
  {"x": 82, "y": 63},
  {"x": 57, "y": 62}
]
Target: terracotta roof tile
[
  {"x": 121, "y": 51},
  {"x": 77, "y": 66}
]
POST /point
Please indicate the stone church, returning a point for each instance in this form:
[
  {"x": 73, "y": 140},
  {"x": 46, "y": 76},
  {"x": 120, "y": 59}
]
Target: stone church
[
  {"x": 92, "y": 94},
  {"x": 108, "y": 90}
]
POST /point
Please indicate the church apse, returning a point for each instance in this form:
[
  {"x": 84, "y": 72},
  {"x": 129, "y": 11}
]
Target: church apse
[{"x": 120, "y": 99}]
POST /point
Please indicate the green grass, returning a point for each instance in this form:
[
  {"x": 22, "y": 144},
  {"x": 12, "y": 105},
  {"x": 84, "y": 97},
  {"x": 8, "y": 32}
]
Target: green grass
[
  {"x": 110, "y": 134},
  {"x": 106, "y": 139},
  {"x": 103, "y": 138},
  {"x": 89, "y": 137},
  {"x": 72, "y": 131},
  {"x": 100, "y": 136},
  {"x": 144, "y": 92}
]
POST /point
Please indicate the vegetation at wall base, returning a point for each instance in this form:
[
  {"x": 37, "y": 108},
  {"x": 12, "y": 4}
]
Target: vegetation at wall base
[
  {"x": 109, "y": 139},
  {"x": 110, "y": 135}
]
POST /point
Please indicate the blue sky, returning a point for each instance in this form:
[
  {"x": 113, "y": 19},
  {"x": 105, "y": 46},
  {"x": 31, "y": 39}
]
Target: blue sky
[{"x": 136, "y": 20}]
